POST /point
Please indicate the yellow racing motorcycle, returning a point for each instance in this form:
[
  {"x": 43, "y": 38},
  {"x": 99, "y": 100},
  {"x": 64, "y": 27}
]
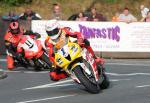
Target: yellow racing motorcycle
[{"x": 81, "y": 67}]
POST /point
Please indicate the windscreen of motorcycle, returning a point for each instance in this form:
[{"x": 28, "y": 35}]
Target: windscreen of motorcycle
[
  {"x": 64, "y": 51},
  {"x": 28, "y": 44}
]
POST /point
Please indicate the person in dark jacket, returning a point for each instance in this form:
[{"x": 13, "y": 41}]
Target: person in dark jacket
[
  {"x": 11, "y": 16},
  {"x": 29, "y": 15},
  {"x": 94, "y": 16}
]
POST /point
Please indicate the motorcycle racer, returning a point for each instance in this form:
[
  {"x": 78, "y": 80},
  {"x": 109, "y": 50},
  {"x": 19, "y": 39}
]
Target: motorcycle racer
[
  {"x": 12, "y": 38},
  {"x": 57, "y": 38}
]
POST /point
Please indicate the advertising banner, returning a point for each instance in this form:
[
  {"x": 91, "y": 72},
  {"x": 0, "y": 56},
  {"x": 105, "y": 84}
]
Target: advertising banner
[{"x": 108, "y": 36}]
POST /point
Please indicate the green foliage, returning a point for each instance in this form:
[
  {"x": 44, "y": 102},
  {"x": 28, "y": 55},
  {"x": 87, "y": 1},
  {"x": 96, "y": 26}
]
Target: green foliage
[
  {"x": 16, "y": 2},
  {"x": 109, "y": 1}
]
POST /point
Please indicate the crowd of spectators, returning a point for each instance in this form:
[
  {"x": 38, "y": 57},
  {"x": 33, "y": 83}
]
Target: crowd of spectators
[
  {"x": 127, "y": 17},
  {"x": 11, "y": 16},
  {"x": 27, "y": 15},
  {"x": 92, "y": 15}
]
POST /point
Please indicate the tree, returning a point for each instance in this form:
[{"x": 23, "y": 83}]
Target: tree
[{"x": 16, "y": 2}]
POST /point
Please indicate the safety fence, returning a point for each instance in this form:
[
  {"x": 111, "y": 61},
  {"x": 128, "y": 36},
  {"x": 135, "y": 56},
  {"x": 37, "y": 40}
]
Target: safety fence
[{"x": 108, "y": 39}]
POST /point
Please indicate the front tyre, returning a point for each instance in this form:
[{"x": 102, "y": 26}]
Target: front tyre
[
  {"x": 91, "y": 87},
  {"x": 105, "y": 83}
]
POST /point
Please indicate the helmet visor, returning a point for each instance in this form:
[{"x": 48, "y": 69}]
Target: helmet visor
[
  {"x": 15, "y": 31},
  {"x": 53, "y": 32}
]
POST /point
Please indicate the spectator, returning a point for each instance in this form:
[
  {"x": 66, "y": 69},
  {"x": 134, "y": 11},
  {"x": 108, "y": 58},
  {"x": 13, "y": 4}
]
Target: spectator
[
  {"x": 115, "y": 18},
  {"x": 144, "y": 11},
  {"x": 81, "y": 17},
  {"x": 96, "y": 16},
  {"x": 147, "y": 18},
  {"x": 29, "y": 15},
  {"x": 57, "y": 14},
  {"x": 73, "y": 17},
  {"x": 126, "y": 16},
  {"x": 11, "y": 16}
]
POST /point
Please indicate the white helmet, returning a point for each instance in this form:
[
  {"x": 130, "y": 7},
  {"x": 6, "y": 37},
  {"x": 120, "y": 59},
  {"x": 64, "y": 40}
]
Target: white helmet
[{"x": 52, "y": 29}]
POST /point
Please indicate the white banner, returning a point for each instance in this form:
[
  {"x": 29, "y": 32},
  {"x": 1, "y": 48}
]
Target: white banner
[{"x": 108, "y": 36}]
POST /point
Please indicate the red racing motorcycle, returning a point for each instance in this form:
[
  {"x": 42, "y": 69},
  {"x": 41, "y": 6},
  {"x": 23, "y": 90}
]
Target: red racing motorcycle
[{"x": 33, "y": 53}]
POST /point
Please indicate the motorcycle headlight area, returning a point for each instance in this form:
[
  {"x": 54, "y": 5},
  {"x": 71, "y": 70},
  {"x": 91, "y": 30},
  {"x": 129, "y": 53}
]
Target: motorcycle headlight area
[{"x": 64, "y": 51}]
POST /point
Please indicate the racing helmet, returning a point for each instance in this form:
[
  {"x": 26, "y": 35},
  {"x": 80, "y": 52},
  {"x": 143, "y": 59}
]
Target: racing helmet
[
  {"x": 52, "y": 29},
  {"x": 14, "y": 27}
]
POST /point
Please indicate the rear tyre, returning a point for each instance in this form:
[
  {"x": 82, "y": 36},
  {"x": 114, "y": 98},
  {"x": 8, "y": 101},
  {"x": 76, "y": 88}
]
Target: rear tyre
[{"x": 91, "y": 87}]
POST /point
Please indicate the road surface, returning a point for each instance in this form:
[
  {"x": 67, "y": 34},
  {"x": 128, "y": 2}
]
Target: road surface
[{"x": 130, "y": 83}]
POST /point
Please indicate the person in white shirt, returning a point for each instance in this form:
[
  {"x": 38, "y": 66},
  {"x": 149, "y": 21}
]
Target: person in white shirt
[
  {"x": 126, "y": 16},
  {"x": 144, "y": 11}
]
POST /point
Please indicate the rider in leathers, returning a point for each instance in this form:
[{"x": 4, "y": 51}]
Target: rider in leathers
[
  {"x": 57, "y": 38},
  {"x": 12, "y": 38}
]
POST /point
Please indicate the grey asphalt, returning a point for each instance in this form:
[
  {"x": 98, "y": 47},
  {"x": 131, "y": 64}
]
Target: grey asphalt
[{"x": 128, "y": 78}]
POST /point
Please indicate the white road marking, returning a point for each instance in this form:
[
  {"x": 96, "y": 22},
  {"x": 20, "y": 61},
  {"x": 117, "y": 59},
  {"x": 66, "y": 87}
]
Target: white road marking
[
  {"x": 116, "y": 80},
  {"x": 28, "y": 72},
  {"x": 44, "y": 99},
  {"x": 2, "y": 60},
  {"x": 130, "y": 74},
  {"x": 129, "y": 60},
  {"x": 128, "y": 64},
  {"x": 12, "y": 71},
  {"x": 60, "y": 84},
  {"x": 108, "y": 73},
  {"x": 142, "y": 86},
  {"x": 48, "y": 85},
  {"x": 1, "y": 70}
]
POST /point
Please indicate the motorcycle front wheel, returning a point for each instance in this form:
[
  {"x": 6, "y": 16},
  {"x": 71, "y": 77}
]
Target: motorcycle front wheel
[
  {"x": 90, "y": 86},
  {"x": 105, "y": 83}
]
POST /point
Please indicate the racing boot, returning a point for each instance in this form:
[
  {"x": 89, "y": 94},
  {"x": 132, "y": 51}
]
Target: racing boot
[
  {"x": 57, "y": 75},
  {"x": 10, "y": 62}
]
